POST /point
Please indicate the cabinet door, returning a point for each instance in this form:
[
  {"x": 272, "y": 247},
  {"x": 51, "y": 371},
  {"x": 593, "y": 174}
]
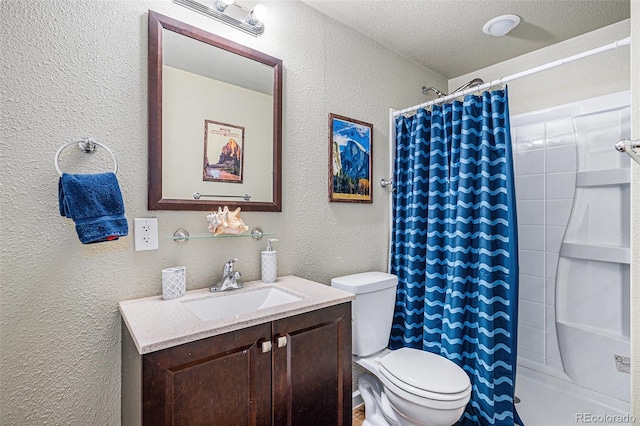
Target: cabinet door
[
  {"x": 312, "y": 371},
  {"x": 221, "y": 380}
]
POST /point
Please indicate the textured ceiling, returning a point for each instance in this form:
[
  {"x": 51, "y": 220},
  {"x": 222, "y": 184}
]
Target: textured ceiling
[{"x": 446, "y": 35}]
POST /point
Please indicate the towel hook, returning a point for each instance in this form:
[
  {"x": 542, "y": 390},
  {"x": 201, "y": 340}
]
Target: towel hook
[{"x": 86, "y": 145}]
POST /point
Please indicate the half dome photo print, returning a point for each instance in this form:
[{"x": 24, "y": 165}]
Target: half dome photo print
[
  {"x": 223, "y": 152},
  {"x": 350, "y": 160}
]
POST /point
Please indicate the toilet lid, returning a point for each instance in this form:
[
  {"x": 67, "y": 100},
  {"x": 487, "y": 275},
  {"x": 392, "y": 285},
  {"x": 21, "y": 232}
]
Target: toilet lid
[{"x": 425, "y": 371}]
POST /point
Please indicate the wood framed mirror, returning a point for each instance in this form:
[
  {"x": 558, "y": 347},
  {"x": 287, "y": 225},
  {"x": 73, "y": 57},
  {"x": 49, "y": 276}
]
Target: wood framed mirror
[{"x": 215, "y": 122}]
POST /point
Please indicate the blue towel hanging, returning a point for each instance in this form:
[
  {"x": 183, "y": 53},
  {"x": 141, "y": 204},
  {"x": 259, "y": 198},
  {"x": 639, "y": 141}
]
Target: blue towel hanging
[{"x": 95, "y": 204}]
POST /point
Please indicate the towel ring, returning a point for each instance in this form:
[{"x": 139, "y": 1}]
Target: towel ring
[{"x": 88, "y": 146}]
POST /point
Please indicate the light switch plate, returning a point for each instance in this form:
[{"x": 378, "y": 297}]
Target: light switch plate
[{"x": 145, "y": 232}]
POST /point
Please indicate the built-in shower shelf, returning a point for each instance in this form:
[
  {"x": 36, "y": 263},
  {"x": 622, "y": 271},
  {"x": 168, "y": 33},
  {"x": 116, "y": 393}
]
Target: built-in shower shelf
[
  {"x": 596, "y": 252},
  {"x": 603, "y": 177},
  {"x": 605, "y": 332}
]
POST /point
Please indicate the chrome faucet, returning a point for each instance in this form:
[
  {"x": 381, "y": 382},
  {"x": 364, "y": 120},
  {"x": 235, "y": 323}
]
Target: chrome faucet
[{"x": 229, "y": 279}]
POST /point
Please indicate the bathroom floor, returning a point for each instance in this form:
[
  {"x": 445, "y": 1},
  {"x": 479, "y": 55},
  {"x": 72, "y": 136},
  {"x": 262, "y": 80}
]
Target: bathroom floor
[
  {"x": 544, "y": 405},
  {"x": 358, "y": 415}
]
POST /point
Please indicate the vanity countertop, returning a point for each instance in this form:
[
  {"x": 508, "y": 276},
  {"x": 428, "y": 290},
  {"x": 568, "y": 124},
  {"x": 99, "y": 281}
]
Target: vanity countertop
[{"x": 155, "y": 323}]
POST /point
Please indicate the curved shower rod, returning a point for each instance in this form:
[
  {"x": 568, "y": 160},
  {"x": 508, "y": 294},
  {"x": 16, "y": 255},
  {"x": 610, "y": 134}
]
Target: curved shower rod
[{"x": 503, "y": 80}]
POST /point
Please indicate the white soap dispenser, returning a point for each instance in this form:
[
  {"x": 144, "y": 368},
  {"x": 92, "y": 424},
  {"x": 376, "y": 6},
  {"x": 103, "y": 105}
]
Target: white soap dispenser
[{"x": 269, "y": 264}]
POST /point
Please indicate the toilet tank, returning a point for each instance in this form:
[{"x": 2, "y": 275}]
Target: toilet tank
[{"x": 372, "y": 310}]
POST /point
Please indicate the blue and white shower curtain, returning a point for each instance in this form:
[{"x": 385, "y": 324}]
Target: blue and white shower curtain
[{"x": 454, "y": 246}]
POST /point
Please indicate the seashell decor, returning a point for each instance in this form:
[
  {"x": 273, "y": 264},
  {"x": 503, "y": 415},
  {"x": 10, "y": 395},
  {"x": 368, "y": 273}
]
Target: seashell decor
[{"x": 226, "y": 222}]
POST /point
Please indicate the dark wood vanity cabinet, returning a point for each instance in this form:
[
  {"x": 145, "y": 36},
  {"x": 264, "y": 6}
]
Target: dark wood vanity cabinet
[
  {"x": 234, "y": 379},
  {"x": 214, "y": 381},
  {"x": 312, "y": 377}
]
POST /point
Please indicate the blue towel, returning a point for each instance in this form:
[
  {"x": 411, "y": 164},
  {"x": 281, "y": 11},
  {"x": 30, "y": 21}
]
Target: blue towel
[{"x": 94, "y": 202}]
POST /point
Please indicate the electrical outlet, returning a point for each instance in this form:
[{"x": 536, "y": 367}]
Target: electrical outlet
[{"x": 145, "y": 232}]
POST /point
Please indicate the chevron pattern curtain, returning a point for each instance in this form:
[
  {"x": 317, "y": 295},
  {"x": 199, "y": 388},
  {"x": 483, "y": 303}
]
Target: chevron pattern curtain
[{"x": 454, "y": 246}]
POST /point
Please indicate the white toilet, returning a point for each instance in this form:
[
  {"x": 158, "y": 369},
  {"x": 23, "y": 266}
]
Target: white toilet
[{"x": 407, "y": 386}]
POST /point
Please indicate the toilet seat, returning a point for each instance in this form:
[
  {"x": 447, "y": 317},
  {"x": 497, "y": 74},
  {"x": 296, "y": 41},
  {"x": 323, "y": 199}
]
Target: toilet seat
[
  {"x": 424, "y": 375},
  {"x": 397, "y": 394}
]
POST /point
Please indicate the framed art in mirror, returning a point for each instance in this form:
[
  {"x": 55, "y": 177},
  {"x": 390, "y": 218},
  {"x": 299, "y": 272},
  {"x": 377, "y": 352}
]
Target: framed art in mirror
[{"x": 215, "y": 122}]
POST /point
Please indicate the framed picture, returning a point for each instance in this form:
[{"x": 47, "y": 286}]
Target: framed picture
[
  {"x": 350, "y": 160},
  {"x": 223, "y": 152}
]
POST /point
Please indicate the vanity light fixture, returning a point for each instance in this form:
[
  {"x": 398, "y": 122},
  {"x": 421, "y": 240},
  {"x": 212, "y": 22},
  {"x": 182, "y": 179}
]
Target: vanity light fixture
[
  {"x": 501, "y": 25},
  {"x": 232, "y": 14}
]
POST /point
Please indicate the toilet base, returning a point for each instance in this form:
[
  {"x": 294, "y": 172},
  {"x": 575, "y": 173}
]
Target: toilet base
[
  {"x": 384, "y": 408},
  {"x": 378, "y": 411}
]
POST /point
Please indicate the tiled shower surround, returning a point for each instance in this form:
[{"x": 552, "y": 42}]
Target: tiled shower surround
[{"x": 573, "y": 255}]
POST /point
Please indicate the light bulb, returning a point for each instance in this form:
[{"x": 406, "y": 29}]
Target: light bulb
[
  {"x": 260, "y": 12},
  {"x": 221, "y": 5}
]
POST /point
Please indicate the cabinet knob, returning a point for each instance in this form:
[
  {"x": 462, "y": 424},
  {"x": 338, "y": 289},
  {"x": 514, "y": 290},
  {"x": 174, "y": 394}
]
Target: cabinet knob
[
  {"x": 282, "y": 341},
  {"x": 266, "y": 346}
]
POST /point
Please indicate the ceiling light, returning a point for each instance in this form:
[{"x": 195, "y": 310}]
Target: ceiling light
[{"x": 501, "y": 25}]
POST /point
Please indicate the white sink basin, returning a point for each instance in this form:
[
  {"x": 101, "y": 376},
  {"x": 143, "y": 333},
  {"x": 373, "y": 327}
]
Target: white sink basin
[{"x": 233, "y": 304}]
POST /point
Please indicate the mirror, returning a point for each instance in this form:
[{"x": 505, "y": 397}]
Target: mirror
[{"x": 215, "y": 122}]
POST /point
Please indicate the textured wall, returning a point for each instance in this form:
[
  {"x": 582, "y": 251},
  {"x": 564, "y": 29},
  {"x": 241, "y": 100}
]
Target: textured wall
[
  {"x": 73, "y": 69},
  {"x": 635, "y": 212}
]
